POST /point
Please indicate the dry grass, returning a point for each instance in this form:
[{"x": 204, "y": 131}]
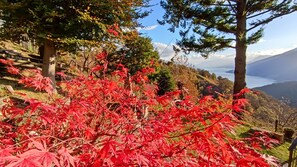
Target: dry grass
[{"x": 15, "y": 47}]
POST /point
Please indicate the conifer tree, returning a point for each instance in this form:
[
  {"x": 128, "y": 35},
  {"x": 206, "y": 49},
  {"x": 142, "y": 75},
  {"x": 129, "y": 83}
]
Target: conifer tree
[
  {"x": 208, "y": 26},
  {"x": 137, "y": 53}
]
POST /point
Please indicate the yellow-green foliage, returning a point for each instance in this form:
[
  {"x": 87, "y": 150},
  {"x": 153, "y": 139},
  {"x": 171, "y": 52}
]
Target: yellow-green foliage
[
  {"x": 242, "y": 130},
  {"x": 281, "y": 151}
]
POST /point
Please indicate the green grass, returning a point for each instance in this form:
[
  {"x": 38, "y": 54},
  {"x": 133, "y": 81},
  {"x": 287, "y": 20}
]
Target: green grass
[
  {"x": 281, "y": 151},
  {"x": 241, "y": 131},
  {"x": 18, "y": 88}
]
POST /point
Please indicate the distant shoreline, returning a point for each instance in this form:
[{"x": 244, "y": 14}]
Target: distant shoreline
[{"x": 252, "y": 81}]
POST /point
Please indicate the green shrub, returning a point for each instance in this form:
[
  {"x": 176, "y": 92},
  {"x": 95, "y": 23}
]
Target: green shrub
[
  {"x": 164, "y": 80},
  {"x": 288, "y": 133}
]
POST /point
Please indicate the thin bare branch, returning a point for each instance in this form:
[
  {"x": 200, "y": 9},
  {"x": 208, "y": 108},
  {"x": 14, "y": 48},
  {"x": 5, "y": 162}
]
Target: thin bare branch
[
  {"x": 232, "y": 7},
  {"x": 266, "y": 21}
]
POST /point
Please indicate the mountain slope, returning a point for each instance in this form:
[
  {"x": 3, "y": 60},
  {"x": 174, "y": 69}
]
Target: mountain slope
[
  {"x": 283, "y": 91},
  {"x": 281, "y": 67}
]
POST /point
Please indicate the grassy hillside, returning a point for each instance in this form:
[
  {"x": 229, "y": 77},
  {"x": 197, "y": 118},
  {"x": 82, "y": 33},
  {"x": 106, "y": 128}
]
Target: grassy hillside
[{"x": 265, "y": 110}]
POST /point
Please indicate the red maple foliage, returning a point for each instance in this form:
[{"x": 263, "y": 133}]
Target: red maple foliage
[
  {"x": 113, "y": 30},
  {"x": 120, "y": 121}
]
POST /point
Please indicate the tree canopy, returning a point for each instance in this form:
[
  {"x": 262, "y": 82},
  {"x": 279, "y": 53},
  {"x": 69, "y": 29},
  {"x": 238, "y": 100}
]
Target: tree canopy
[
  {"x": 137, "y": 53},
  {"x": 212, "y": 25},
  {"x": 68, "y": 21},
  {"x": 61, "y": 23}
]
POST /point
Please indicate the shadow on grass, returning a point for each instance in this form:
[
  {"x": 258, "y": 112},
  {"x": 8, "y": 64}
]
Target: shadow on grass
[
  {"x": 246, "y": 134},
  {"x": 15, "y": 85}
]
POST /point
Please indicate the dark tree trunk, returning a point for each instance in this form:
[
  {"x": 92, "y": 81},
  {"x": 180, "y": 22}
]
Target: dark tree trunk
[
  {"x": 49, "y": 61},
  {"x": 241, "y": 46}
]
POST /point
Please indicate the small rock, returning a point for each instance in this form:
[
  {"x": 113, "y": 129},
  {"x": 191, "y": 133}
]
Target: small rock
[{"x": 10, "y": 89}]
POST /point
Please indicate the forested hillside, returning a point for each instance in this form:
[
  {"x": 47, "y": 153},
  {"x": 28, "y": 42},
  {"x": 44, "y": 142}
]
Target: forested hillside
[
  {"x": 263, "y": 109},
  {"x": 285, "y": 92}
]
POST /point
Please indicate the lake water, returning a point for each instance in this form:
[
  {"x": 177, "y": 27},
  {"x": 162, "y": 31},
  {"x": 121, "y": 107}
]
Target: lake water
[{"x": 252, "y": 81}]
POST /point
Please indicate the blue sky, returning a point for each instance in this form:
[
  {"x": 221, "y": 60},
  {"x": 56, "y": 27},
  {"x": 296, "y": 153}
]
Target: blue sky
[{"x": 280, "y": 35}]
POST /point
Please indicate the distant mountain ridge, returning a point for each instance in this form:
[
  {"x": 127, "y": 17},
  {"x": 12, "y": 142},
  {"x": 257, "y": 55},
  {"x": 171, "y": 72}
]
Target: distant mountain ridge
[{"x": 281, "y": 67}]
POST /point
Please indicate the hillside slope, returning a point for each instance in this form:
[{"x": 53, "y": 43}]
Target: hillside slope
[
  {"x": 264, "y": 109},
  {"x": 281, "y": 67},
  {"x": 283, "y": 91}
]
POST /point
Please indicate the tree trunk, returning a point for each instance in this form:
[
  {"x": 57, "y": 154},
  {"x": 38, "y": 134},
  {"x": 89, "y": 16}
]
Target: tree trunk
[
  {"x": 49, "y": 61},
  {"x": 241, "y": 46}
]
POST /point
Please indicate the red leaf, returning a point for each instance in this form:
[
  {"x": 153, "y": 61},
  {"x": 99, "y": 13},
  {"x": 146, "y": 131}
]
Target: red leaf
[
  {"x": 12, "y": 70},
  {"x": 97, "y": 68},
  {"x": 48, "y": 159},
  {"x": 206, "y": 98},
  {"x": 102, "y": 55},
  {"x": 113, "y": 32},
  {"x": 89, "y": 133},
  {"x": 37, "y": 81},
  {"x": 33, "y": 153},
  {"x": 34, "y": 104},
  {"x": 241, "y": 102},
  {"x": 62, "y": 74},
  {"x": 5, "y": 152},
  {"x": 98, "y": 162},
  {"x": 39, "y": 145},
  {"x": 7, "y": 62},
  {"x": 85, "y": 158},
  {"x": 141, "y": 160},
  {"x": 65, "y": 155},
  {"x": 25, "y": 162}
]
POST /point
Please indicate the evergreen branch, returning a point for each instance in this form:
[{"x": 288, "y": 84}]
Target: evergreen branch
[
  {"x": 277, "y": 7},
  {"x": 230, "y": 46},
  {"x": 232, "y": 7},
  {"x": 258, "y": 14},
  {"x": 224, "y": 5},
  {"x": 255, "y": 37},
  {"x": 269, "y": 10}
]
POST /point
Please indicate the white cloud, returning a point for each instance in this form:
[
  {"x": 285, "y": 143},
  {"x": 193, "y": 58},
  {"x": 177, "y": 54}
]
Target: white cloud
[
  {"x": 269, "y": 52},
  {"x": 258, "y": 55},
  {"x": 148, "y": 28},
  {"x": 213, "y": 61},
  {"x": 216, "y": 60},
  {"x": 125, "y": 29},
  {"x": 166, "y": 51}
]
